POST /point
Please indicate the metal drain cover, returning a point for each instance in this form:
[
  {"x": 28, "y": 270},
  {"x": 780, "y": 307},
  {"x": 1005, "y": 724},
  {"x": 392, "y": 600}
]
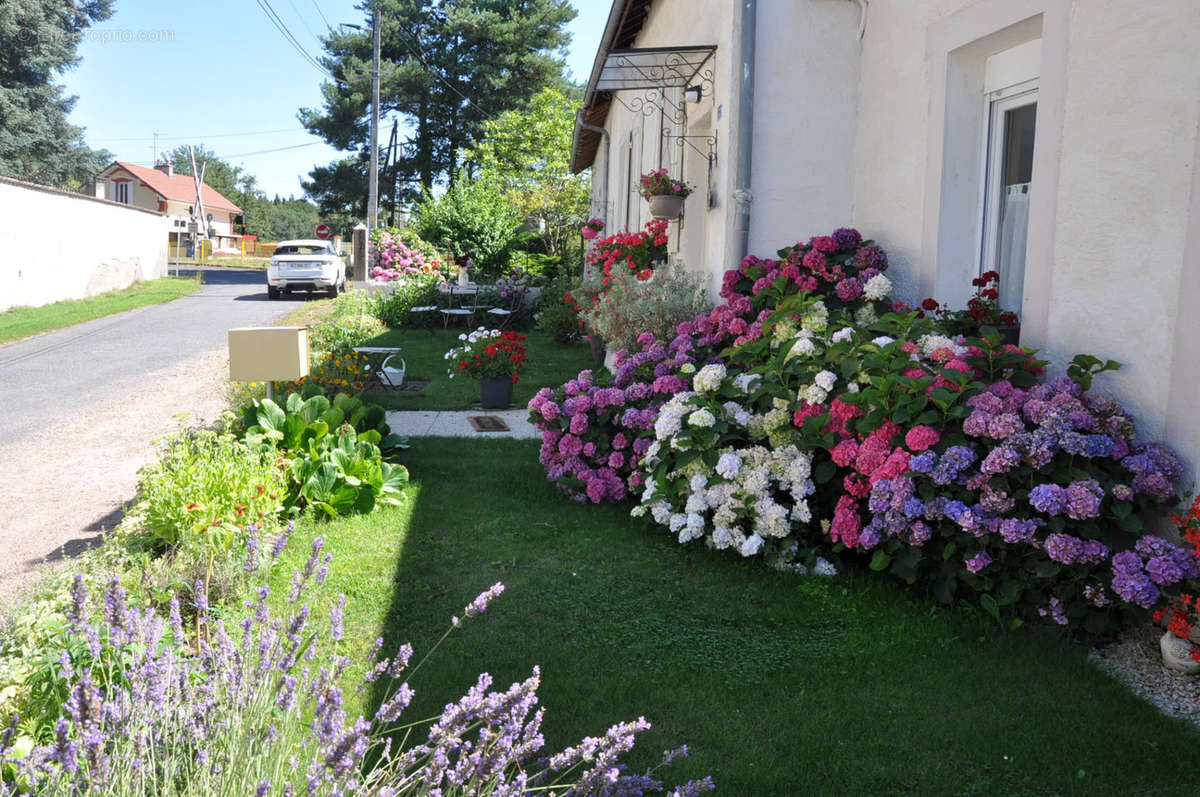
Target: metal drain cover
[{"x": 487, "y": 423}]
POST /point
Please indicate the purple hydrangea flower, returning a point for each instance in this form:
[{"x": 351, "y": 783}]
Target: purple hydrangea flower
[{"x": 1048, "y": 498}]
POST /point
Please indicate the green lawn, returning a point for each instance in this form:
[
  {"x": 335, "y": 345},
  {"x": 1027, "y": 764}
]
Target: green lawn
[
  {"x": 21, "y": 322},
  {"x": 782, "y": 685},
  {"x": 550, "y": 364}
]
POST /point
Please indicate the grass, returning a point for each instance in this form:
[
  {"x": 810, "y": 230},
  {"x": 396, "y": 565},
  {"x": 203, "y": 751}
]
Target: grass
[
  {"x": 781, "y": 685},
  {"x": 424, "y": 355},
  {"x": 21, "y": 322}
]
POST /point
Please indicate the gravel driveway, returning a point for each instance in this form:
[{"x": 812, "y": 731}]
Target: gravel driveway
[{"x": 81, "y": 407}]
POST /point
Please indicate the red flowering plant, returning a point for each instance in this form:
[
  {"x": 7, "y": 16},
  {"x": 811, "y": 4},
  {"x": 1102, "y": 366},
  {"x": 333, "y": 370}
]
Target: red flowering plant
[
  {"x": 1180, "y": 611},
  {"x": 488, "y": 354},
  {"x": 983, "y": 309},
  {"x": 660, "y": 183},
  {"x": 638, "y": 252}
]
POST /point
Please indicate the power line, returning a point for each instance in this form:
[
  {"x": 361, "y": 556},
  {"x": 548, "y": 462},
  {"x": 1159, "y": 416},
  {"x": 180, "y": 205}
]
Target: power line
[
  {"x": 278, "y": 22},
  {"x": 199, "y": 136},
  {"x": 322, "y": 13},
  {"x": 304, "y": 21},
  {"x": 275, "y": 149}
]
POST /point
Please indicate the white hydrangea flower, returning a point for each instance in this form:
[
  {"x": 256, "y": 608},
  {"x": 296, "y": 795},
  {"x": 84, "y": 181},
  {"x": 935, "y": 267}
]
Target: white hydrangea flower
[
  {"x": 866, "y": 315},
  {"x": 699, "y": 482},
  {"x": 696, "y": 503},
  {"x": 702, "y": 419},
  {"x": 752, "y": 545},
  {"x": 931, "y": 343},
  {"x": 853, "y": 387},
  {"x": 878, "y": 287},
  {"x": 746, "y": 382},
  {"x": 817, "y": 317},
  {"x": 845, "y": 333},
  {"x": 825, "y": 380},
  {"x": 883, "y": 340},
  {"x": 729, "y": 465},
  {"x": 661, "y": 512},
  {"x": 638, "y": 511},
  {"x": 653, "y": 451},
  {"x": 813, "y": 394},
  {"x": 677, "y": 521},
  {"x": 722, "y": 538},
  {"x": 823, "y": 567},
  {"x": 801, "y": 512},
  {"x": 708, "y": 379},
  {"x": 801, "y": 348}
]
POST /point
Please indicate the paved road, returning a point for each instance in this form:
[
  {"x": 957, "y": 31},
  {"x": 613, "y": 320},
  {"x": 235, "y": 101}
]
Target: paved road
[
  {"x": 46, "y": 376},
  {"x": 80, "y": 407}
]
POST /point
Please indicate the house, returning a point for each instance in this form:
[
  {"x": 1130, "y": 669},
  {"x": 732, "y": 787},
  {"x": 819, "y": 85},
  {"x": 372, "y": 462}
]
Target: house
[
  {"x": 1056, "y": 141},
  {"x": 173, "y": 195}
]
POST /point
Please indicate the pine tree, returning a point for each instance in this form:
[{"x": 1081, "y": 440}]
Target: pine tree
[
  {"x": 448, "y": 66},
  {"x": 38, "y": 42}
]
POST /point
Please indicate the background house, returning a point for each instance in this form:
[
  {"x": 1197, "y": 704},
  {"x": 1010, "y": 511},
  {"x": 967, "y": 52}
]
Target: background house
[
  {"x": 173, "y": 195},
  {"x": 1054, "y": 140}
]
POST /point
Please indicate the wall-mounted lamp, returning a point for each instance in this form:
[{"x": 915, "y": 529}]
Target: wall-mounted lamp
[{"x": 693, "y": 93}]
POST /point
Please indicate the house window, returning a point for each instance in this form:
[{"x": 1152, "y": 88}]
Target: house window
[
  {"x": 121, "y": 191},
  {"x": 1010, "y": 85},
  {"x": 1012, "y": 125}
]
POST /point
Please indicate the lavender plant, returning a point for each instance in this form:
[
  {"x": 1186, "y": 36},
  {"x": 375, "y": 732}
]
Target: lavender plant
[{"x": 259, "y": 709}]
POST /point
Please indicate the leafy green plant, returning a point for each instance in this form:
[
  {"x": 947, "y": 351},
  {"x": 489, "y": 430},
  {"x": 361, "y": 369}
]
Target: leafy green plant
[
  {"x": 333, "y": 452},
  {"x": 352, "y": 322},
  {"x": 205, "y": 487},
  {"x": 558, "y": 312}
]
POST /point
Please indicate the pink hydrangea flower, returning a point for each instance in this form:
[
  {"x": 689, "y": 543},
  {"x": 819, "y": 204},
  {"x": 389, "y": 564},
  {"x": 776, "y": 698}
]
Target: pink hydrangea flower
[{"x": 922, "y": 437}]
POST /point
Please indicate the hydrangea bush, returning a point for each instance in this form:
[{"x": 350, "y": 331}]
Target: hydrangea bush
[{"x": 814, "y": 414}]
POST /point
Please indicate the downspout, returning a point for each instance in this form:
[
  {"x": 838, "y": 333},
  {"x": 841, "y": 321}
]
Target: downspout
[
  {"x": 582, "y": 125},
  {"x": 744, "y": 136}
]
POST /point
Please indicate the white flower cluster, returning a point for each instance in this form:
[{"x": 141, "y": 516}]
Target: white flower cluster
[
  {"x": 708, "y": 379},
  {"x": 670, "y": 416},
  {"x": 753, "y": 495},
  {"x": 746, "y": 382},
  {"x": 817, "y": 317},
  {"x": 931, "y": 343},
  {"x": 845, "y": 333},
  {"x": 878, "y": 287},
  {"x": 803, "y": 347}
]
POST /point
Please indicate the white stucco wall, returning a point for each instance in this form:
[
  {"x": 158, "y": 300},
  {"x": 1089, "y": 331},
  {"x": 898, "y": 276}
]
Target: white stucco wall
[
  {"x": 60, "y": 245},
  {"x": 1115, "y": 238}
]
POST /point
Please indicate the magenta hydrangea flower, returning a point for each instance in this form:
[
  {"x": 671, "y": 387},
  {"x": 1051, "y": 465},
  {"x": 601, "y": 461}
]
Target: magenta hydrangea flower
[{"x": 921, "y": 437}]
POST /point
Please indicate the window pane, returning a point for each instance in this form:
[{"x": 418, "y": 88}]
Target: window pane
[{"x": 1016, "y": 172}]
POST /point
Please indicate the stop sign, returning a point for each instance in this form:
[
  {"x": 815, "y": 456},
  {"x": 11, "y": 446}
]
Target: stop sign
[{"x": 323, "y": 231}]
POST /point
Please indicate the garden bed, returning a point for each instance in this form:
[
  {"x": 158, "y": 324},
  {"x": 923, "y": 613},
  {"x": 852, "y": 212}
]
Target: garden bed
[{"x": 780, "y": 684}]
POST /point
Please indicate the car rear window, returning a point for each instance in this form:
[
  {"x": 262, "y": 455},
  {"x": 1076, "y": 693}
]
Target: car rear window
[{"x": 302, "y": 250}]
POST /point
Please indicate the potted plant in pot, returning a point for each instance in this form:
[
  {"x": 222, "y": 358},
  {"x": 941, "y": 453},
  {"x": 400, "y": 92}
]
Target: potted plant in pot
[
  {"x": 664, "y": 193},
  {"x": 494, "y": 358},
  {"x": 591, "y": 228},
  {"x": 982, "y": 311}
]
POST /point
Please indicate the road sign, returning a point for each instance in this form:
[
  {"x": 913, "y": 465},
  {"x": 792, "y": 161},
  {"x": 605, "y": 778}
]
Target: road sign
[{"x": 323, "y": 231}]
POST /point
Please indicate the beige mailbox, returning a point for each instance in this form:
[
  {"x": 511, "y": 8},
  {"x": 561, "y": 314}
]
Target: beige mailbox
[{"x": 268, "y": 354}]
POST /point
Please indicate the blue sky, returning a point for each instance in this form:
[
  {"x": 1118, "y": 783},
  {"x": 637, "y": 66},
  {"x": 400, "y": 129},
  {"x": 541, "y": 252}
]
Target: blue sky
[{"x": 219, "y": 73}]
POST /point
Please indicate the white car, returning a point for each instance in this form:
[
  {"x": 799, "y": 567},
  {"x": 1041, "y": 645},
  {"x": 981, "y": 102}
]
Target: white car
[{"x": 307, "y": 265}]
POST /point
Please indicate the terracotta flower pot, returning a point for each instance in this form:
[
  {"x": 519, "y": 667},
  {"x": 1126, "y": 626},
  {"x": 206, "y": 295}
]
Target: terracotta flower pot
[
  {"x": 666, "y": 206},
  {"x": 496, "y": 393}
]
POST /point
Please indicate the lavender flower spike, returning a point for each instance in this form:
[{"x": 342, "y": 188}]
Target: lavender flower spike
[{"x": 477, "y": 606}]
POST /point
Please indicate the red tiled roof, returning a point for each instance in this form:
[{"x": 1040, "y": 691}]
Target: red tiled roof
[{"x": 178, "y": 187}]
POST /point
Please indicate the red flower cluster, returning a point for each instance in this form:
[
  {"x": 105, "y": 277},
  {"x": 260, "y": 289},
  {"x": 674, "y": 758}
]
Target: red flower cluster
[
  {"x": 636, "y": 251},
  {"x": 492, "y": 356},
  {"x": 1183, "y": 612}
]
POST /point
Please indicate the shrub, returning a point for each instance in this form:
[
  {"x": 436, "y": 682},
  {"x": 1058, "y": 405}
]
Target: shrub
[
  {"x": 475, "y": 218},
  {"x": 205, "y": 488},
  {"x": 812, "y": 413},
  {"x": 558, "y": 313},
  {"x": 247, "y": 714},
  {"x": 398, "y": 254},
  {"x": 350, "y": 322},
  {"x": 630, "y": 305},
  {"x": 394, "y": 307}
]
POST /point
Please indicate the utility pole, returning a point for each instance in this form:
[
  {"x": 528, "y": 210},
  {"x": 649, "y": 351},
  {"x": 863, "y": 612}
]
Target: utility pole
[{"x": 373, "y": 184}]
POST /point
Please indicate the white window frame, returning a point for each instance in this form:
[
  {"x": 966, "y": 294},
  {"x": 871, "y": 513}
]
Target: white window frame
[
  {"x": 121, "y": 192},
  {"x": 997, "y": 104}
]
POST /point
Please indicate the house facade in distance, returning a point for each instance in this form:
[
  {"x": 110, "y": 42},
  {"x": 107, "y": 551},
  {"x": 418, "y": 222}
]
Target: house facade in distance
[
  {"x": 1055, "y": 141},
  {"x": 173, "y": 195}
]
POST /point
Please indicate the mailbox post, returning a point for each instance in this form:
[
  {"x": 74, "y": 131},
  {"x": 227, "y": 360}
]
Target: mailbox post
[{"x": 268, "y": 354}]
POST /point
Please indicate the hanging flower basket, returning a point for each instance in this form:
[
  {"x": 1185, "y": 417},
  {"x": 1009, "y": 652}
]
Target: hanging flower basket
[{"x": 666, "y": 206}]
